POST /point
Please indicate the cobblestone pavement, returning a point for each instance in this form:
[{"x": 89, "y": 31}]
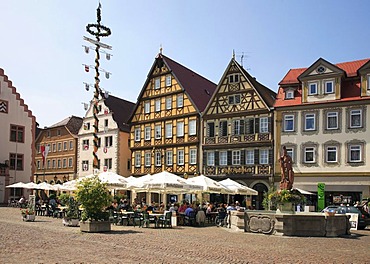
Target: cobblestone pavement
[{"x": 47, "y": 241}]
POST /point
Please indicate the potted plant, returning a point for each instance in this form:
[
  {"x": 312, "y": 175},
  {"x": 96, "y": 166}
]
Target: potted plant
[
  {"x": 284, "y": 200},
  {"x": 28, "y": 213},
  {"x": 94, "y": 197},
  {"x": 71, "y": 216}
]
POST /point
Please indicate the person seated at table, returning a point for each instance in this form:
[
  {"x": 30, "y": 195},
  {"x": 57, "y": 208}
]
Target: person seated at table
[
  {"x": 230, "y": 207},
  {"x": 182, "y": 207},
  {"x": 189, "y": 209},
  {"x": 237, "y": 205},
  {"x": 209, "y": 208},
  {"x": 114, "y": 205},
  {"x": 161, "y": 207},
  {"x": 221, "y": 208},
  {"x": 123, "y": 206},
  {"x": 173, "y": 208}
]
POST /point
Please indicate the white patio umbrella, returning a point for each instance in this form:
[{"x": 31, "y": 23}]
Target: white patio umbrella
[
  {"x": 45, "y": 186},
  {"x": 208, "y": 185},
  {"x": 15, "y": 185},
  {"x": 304, "y": 192},
  {"x": 30, "y": 185},
  {"x": 113, "y": 180},
  {"x": 161, "y": 182},
  {"x": 238, "y": 188}
]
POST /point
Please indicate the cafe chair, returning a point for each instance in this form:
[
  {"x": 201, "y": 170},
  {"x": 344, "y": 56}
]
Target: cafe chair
[{"x": 165, "y": 220}]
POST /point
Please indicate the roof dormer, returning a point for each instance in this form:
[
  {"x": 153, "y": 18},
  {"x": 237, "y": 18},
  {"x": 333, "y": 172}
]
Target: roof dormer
[
  {"x": 364, "y": 72},
  {"x": 321, "y": 81}
]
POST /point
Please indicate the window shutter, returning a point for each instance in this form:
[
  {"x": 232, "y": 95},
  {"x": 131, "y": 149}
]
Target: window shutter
[
  {"x": 256, "y": 156},
  {"x": 242, "y": 157},
  {"x": 217, "y": 162},
  {"x": 269, "y": 124},
  {"x": 249, "y": 126},
  {"x": 271, "y": 157},
  {"x": 208, "y": 130},
  {"x": 241, "y": 127},
  {"x": 229, "y": 157},
  {"x": 256, "y": 125},
  {"x": 233, "y": 128},
  {"x": 204, "y": 158}
]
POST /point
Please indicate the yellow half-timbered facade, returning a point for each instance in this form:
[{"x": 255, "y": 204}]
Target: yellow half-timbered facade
[
  {"x": 165, "y": 125},
  {"x": 238, "y": 133}
]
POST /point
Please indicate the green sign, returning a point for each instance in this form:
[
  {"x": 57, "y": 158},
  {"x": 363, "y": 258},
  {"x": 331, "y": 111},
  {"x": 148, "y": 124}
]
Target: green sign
[{"x": 320, "y": 196}]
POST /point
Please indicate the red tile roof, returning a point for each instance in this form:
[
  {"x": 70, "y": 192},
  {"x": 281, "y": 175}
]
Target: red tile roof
[
  {"x": 350, "y": 88},
  {"x": 198, "y": 88},
  {"x": 350, "y": 68}
]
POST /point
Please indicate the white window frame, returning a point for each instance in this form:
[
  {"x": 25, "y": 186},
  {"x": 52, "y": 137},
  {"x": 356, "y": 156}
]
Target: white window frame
[
  {"x": 108, "y": 141},
  {"x": 158, "y": 158},
  {"x": 222, "y": 158},
  {"x": 180, "y": 100},
  {"x": 158, "y": 105},
  {"x": 48, "y": 164},
  {"x": 70, "y": 144},
  {"x": 249, "y": 156},
  {"x": 137, "y": 159},
  {"x": 290, "y": 152},
  {"x": 237, "y": 127},
  {"x": 264, "y": 124},
  {"x": 147, "y": 107},
  {"x": 192, "y": 127},
  {"x": 59, "y": 162},
  {"x": 331, "y": 149},
  {"x": 180, "y": 129},
  {"x": 326, "y": 86},
  {"x": 70, "y": 162},
  {"x": 312, "y": 85},
  {"x": 54, "y": 164},
  {"x": 157, "y": 83},
  {"x": 137, "y": 134},
  {"x": 234, "y": 99},
  {"x": 353, "y": 148},
  {"x": 354, "y": 113},
  {"x": 85, "y": 162},
  {"x": 308, "y": 150},
  {"x": 169, "y": 157},
  {"x": 289, "y": 94},
  {"x": 169, "y": 103},
  {"x": 308, "y": 117},
  {"x": 147, "y": 132},
  {"x": 193, "y": 156},
  {"x": 264, "y": 156},
  {"x": 168, "y": 130},
  {"x": 158, "y": 132},
  {"x": 65, "y": 145},
  {"x": 331, "y": 115},
  {"x": 236, "y": 157},
  {"x": 211, "y": 158},
  {"x": 168, "y": 80},
  {"x": 234, "y": 78},
  {"x": 180, "y": 157},
  {"x": 288, "y": 118},
  {"x": 147, "y": 159}
]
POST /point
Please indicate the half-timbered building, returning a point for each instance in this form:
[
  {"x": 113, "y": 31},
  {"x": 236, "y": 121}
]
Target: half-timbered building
[
  {"x": 165, "y": 126},
  {"x": 238, "y": 133}
]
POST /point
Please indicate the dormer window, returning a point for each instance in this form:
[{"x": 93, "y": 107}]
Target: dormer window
[
  {"x": 329, "y": 87},
  {"x": 289, "y": 94},
  {"x": 312, "y": 88},
  {"x": 234, "y": 78}
]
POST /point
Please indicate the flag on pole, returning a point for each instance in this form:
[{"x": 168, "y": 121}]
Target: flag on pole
[{"x": 44, "y": 153}]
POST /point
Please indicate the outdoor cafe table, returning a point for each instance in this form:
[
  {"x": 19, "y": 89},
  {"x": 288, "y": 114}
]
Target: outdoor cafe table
[{"x": 156, "y": 216}]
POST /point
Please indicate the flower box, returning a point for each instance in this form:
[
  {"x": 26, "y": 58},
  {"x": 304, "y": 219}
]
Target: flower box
[{"x": 28, "y": 218}]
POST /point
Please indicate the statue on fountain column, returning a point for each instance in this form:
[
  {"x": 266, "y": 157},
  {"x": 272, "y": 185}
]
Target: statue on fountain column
[{"x": 287, "y": 174}]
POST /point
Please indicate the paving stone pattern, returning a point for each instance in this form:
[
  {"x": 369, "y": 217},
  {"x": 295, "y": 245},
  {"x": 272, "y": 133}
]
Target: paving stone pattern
[{"x": 47, "y": 241}]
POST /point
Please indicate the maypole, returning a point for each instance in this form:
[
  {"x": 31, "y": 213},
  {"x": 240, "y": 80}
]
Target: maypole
[{"x": 97, "y": 30}]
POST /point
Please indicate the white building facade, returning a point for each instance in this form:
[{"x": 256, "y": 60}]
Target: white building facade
[{"x": 17, "y": 129}]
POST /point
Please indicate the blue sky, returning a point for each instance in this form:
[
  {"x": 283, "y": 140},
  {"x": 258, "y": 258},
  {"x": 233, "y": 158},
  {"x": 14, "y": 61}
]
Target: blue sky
[{"x": 41, "y": 44}]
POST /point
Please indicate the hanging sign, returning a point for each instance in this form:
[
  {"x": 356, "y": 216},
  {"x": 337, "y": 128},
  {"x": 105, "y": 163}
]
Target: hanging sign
[
  {"x": 87, "y": 69},
  {"x": 105, "y": 168},
  {"x": 86, "y": 147},
  {"x": 105, "y": 149},
  {"x": 106, "y": 111}
]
